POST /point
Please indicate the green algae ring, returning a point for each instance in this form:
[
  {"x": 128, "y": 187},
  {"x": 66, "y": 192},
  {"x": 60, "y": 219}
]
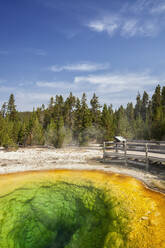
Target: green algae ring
[{"x": 76, "y": 209}]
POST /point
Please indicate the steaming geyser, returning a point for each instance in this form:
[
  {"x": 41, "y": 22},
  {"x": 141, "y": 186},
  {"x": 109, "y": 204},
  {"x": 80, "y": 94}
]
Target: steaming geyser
[{"x": 81, "y": 209}]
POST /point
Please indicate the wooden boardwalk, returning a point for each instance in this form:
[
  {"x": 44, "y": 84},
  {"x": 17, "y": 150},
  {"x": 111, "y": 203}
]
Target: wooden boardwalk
[{"x": 133, "y": 152}]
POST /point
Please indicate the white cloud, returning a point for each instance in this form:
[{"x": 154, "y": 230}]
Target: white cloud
[
  {"x": 134, "y": 27},
  {"x": 97, "y": 25},
  {"x": 32, "y": 97},
  {"x": 118, "y": 82},
  {"x": 140, "y": 18},
  {"x": 140, "y": 6},
  {"x": 109, "y": 24},
  {"x": 130, "y": 27},
  {"x": 80, "y": 67},
  {"x": 124, "y": 26},
  {"x": 104, "y": 83},
  {"x": 115, "y": 88},
  {"x": 28, "y": 100},
  {"x": 158, "y": 9},
  {"x": 112, "y": 88},
  {"x": 59, "y": 84}
]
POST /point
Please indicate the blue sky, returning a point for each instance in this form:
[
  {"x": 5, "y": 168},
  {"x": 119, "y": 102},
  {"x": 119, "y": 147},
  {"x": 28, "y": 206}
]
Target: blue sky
[{"x": 47, "y": 47}]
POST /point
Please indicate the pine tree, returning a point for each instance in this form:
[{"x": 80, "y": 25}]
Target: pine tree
[
  {"x": 6, "y": 134},
  {"x": 130, "y": 118},
  {"x": 51, "y": 104},
  {"x": 60, "y": 132},
  {"x": 51, "y": 133},
  {"x": 138, "y": 106},
  {"x": 58, "y": 109},
  {"x": 82, "y": 121},
  {"x": 156, "y": 99},
  {"x": 95, "y": 111},
  {"x": 77, "y": 121},
  {"x": 123, "y": 127},
  {"x": 11, "y": 109},
  {"x": 22, "y": 134},
  {"x": 157, "y": 110},
  {"x": 163, "y": 100},
  {"x": 48, "y": 113},
  {"x": 55, "y": 133},
  {"x": 139, "y": 128},
  {"x": 130, "y": 112},
  {"x": 72, "y": 117},
  {"x": 107, "y": 124},
  {"x": 2, "y": 129},
  {"x": 86, "y": 121},
  {"x": 29, "y": 128},
  {"x": 69, "y": 106},
  {"x": 16, "y": 126},
  {"x": 85, "y": 113},
  {"x": 37, "y": 133},
  {"x": 144, "y": 107},
  {"x": 4, "y": 110},
  {"x": 157, "y": 124}
]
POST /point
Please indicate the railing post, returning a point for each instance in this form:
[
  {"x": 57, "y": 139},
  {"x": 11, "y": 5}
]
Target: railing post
[
  {"x": 125, "y": 152},
  {"x": 147, "y": 162},
  {"x": 116, "y": 148}
]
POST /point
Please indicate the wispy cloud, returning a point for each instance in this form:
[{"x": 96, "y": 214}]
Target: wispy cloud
[
  {"x": 140, "y": 6},
  {"x": 109, "y": 24},
  {"x": 104, "y": 83},
  {"x": 133, "y": 27},
  {"x": 127, "y": 27},
  {"x": 158, "y": 9},
  {"x": 140, "y": 18},
  {"x": 33, "y": 97},
  {"x": 115, "y": 88},
  {"x": 28, "y": 100},
  {"x": 80, "y": 67},
  {"x": 57, "y": 84},
  {"x": 130, "y": 27},
  {"x": 112, "y": 88},
  {"x": 118, "y": 82},
  {"x": 63, "y": 87}
]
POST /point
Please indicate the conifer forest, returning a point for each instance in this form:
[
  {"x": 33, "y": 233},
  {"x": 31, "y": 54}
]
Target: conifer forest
[{"x": 79, "y": 121}]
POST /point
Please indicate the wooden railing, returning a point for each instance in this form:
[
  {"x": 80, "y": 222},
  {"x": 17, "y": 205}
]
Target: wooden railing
[{"x": 134, "y": 152}]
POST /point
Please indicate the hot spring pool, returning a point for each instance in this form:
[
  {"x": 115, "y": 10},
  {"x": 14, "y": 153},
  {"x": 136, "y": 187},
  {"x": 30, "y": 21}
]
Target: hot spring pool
[{"x": 79, "y": 209}]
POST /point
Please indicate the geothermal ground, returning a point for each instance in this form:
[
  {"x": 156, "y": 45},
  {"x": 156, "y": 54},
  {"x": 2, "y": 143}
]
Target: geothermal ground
[{"x": 89, "y": 158}]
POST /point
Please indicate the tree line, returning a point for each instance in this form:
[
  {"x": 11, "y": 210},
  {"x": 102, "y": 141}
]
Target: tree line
[{"x": 73, "y": 121}]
